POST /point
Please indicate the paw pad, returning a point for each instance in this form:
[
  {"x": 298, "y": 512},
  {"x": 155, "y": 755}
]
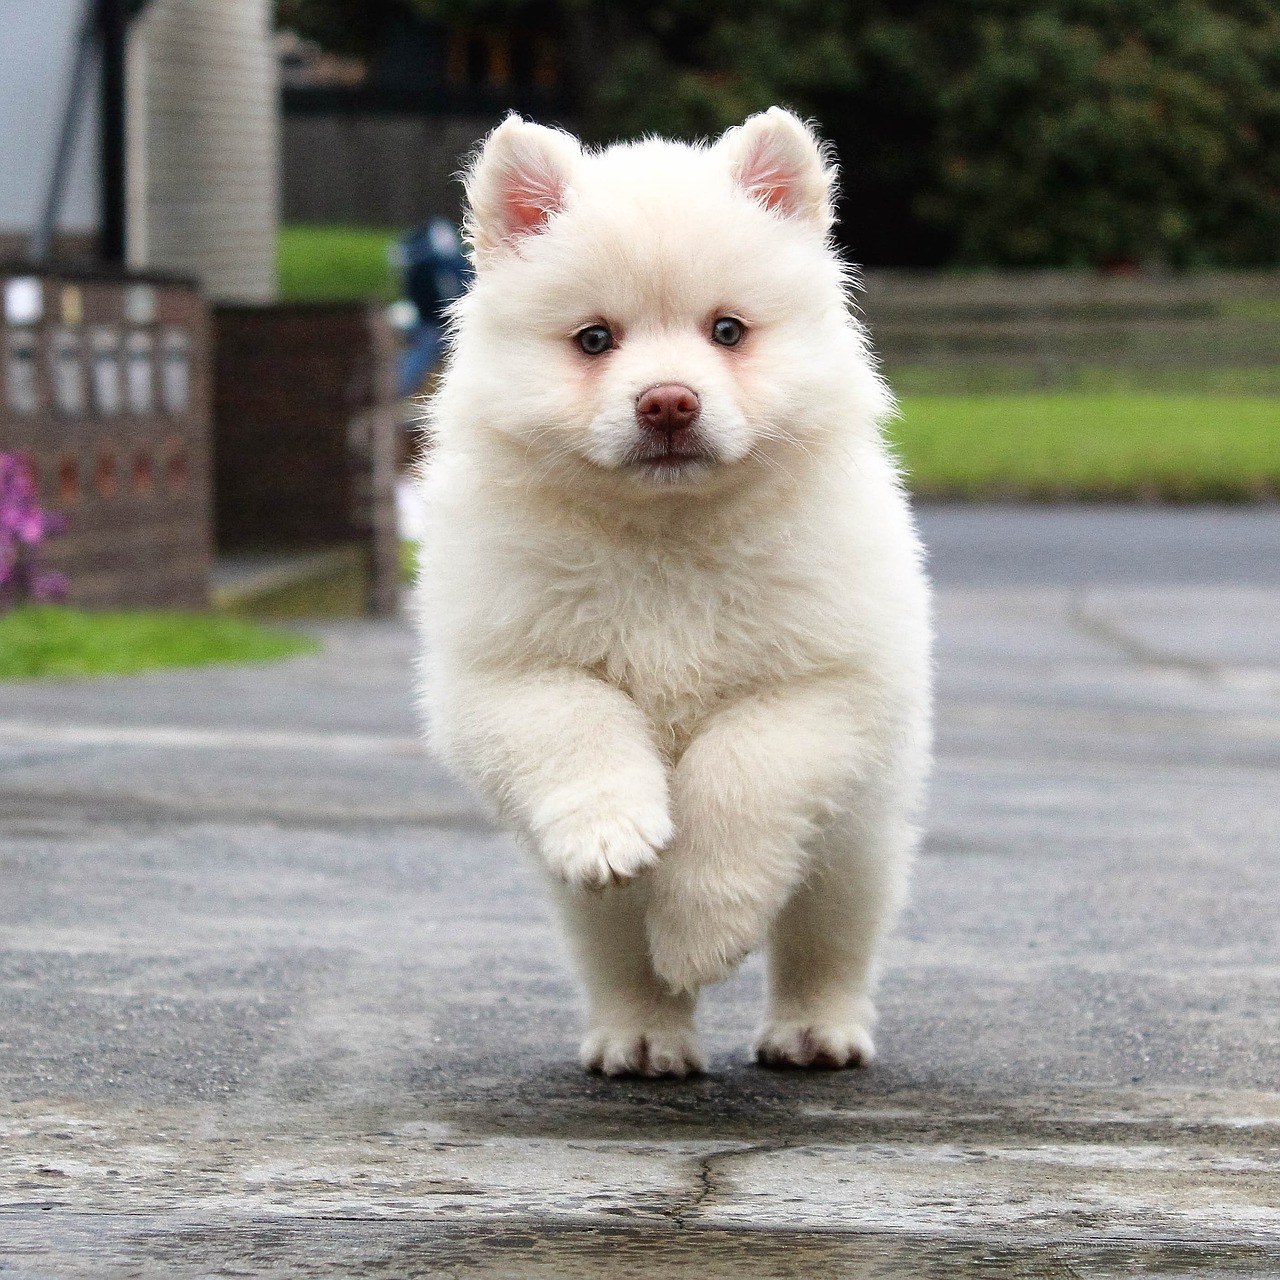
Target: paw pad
[
  {"x": 817, "y": 1048},
  {"x": 651, "y": 1054}
]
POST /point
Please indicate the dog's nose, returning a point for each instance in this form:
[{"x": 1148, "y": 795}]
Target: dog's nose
[{"x": 667, "y": 408}]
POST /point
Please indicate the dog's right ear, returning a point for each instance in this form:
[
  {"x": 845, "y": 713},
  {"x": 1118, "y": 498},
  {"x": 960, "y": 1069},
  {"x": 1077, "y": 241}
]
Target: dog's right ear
[{"x": 516, "y": 182}]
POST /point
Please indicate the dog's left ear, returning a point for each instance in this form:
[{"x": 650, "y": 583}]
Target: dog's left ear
[{"x": 779, "y": 162}]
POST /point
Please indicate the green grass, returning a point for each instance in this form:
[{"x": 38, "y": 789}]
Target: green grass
[
  {"x": 49, "y": 641},
  {"x": 1125, "y": 446},
  {"x": 335, "y": 264},
  {"x": 1251, "y": 308},
  {"x": 409, "y": 552}
]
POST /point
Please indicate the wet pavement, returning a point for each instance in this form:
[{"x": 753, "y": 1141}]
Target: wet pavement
[{"x": 276, "y": 1000}]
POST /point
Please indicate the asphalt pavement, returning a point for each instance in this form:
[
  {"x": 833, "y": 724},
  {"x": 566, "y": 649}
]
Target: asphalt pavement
[{"x": 276, "y": 1000}]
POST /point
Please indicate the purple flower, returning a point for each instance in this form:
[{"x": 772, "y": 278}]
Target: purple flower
[
  {"x": 23, "y": 526},
  {"x": 49, "y": 586}
]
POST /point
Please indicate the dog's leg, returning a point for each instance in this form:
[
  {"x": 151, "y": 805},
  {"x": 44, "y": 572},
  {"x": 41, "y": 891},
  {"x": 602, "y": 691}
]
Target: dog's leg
[
  {"x": 822, "y": 948},
  {"x": 754, "y": 790},
  {"x": 566, "y": 759},
  {"x": 636, "y": 1025}
]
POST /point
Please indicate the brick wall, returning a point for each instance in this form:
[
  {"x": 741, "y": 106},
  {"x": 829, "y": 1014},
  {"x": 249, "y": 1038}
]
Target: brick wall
[
  {"x": 305, "y": 429},
  {"x": 105, "y": 390}
]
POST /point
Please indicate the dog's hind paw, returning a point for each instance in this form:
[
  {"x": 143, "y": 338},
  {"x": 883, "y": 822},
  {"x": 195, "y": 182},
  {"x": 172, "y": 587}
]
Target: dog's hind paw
[
  {"x": 692, "y": 947},
  {"x": 670, "y": 1052},
  {"x": 686, "y": 968},
  {"x": 820, "y": 1045}
]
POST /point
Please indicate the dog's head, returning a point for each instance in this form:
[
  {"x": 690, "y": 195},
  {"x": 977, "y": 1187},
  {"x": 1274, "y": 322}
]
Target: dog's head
[{"x": 657, "y": 315}]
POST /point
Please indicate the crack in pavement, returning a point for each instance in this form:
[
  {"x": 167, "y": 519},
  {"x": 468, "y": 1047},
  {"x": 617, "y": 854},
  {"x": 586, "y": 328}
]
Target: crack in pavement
[
  {"x": 1137, "y": 651},
  {"x": 708, "y": 1174}
]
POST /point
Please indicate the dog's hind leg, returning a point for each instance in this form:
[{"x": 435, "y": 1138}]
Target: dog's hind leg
[
  {"x": 753, "y": 792},
  {"x": 636, "y": 1025},
  {"x": 822, "y": 948}
]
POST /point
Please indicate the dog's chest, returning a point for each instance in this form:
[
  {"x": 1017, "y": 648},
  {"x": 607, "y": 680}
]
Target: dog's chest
[{"x": 676, "y": 630}]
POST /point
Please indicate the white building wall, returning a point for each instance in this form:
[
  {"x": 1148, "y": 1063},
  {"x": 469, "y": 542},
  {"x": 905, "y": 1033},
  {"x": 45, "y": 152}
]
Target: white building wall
[
  {"x": 37, "y": 49},
  {"x": 204, "y": 144}
]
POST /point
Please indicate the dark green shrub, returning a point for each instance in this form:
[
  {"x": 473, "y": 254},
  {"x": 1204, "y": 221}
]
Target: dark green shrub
[{"x": 984, "y": 132}]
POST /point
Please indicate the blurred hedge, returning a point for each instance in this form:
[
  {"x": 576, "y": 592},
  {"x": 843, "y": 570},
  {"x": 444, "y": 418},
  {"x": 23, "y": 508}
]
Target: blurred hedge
[{"x": 992, "y": 132}]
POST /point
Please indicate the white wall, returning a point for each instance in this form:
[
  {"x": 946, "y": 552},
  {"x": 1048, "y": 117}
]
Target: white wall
[
  {"x": 204, "y": 144},
  {"x": 37, "y": 45}
]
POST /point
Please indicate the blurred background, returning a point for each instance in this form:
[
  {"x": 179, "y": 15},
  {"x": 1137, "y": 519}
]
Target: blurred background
[
  {"x": 228, "y": 227},
  {"x": 275, "y": 997}
]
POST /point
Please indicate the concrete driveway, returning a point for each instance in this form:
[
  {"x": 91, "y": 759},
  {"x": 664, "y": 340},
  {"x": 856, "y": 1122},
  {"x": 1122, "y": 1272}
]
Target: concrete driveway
[{"x": 276, "y": 1001}]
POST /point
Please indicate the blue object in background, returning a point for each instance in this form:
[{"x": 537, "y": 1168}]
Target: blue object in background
[{"x": 435, "y": 272}]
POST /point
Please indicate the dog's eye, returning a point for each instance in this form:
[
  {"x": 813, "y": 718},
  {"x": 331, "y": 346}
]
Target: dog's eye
[
  {"x": 727, "y": 331},
  {"x": 595, "y": 339}
]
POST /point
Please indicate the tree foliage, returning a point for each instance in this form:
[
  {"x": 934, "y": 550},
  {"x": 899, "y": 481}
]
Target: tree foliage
[
  {"x": 1092, "y": 131},
  {"x": 1015, "y": 132},
  {"x": 348, "y": 27}
]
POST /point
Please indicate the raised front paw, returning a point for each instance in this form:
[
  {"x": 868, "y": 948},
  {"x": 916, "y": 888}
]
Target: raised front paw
[
  {"x": 595, "y": 845},
  {"x": 816, "y": 1044},
  {"x": 652, "y": 1052}
]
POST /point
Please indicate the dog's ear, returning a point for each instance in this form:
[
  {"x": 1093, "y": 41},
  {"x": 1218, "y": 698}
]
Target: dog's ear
[
  {"x": 516, "y": 181},
  {"x": 779, "y": 162}
]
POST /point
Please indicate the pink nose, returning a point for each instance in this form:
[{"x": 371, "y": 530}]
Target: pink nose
[{"x": 667, "y": 408}]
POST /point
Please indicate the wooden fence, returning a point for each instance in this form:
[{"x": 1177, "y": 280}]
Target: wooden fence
[{"x": 1055, "y": 327}]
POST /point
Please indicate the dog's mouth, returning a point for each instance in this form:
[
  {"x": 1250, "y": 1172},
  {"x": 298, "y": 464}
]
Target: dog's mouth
[
  {"x": 672, "y": 459},
  {"x": 681, "y": 452}
]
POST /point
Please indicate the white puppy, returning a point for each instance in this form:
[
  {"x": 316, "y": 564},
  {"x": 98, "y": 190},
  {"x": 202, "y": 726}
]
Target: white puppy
[{"x": 675, "y": 621}]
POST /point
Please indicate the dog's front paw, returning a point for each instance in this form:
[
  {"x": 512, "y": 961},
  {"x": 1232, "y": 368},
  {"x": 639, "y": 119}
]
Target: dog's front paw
[
  {"x": 592, "y": 847},
  {"x": 817, "y": 1044},
  {"x": 668, "y": 1051}
]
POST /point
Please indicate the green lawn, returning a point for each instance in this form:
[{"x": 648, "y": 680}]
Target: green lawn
[
  {"x": 1171, "y": 447},
  {"x": 335, "y": 264},
  {"x": 50, "y": 641}
]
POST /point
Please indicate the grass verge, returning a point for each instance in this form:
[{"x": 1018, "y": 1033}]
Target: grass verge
[
  {"x": 1180, "y": 448},
  {"x": 409, "y": 553},
  {"x": 48, "y": 641},
  {"x": 335, "y": 264}
]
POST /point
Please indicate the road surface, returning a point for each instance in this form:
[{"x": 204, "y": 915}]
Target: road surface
[{"x": 275, "y": 1000}]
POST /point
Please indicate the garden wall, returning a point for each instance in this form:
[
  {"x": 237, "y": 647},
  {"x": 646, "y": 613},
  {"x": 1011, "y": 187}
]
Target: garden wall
[{"x": 106, "y": 394}]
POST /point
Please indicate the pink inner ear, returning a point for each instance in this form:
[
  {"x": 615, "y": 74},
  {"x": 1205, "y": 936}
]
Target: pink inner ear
[
  {"x": 530, "y": 197},
  {"x": 770, "y": 176},
  {"x": 774, "y": 197}
]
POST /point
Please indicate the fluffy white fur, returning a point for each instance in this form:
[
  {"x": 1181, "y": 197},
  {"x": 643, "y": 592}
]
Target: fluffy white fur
[{"x": 699, "y": 691}]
